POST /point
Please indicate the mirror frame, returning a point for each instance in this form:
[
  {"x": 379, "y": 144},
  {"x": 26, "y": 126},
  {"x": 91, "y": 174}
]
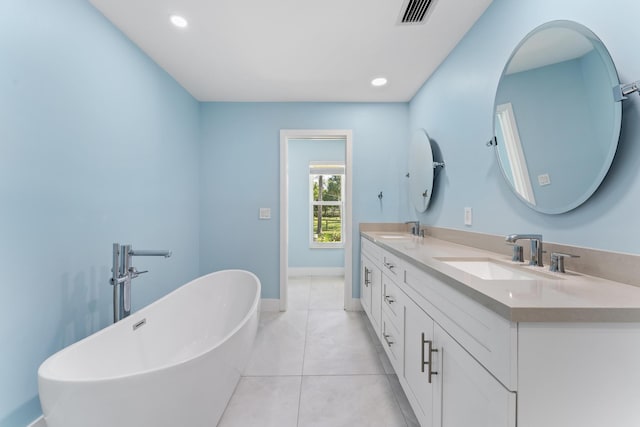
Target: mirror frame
[
  {"x": 421, "y": 170},
  {"x": 598, "y": 177}
]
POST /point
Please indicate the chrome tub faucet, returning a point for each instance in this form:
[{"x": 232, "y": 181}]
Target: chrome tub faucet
[{"x": 122, "y": 274}]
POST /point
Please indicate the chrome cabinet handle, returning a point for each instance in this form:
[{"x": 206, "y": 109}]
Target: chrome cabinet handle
[
  {"x": 429, "y": 362},
  {"x": 386, "y": 338},
  {"x": 389, "y": 265},
  {"x": 389, "y": 299},
  {"x": 367, "y": 282}
]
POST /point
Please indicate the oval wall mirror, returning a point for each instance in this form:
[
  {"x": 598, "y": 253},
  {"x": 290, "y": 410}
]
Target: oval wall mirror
[
  {"x": 556, "y": 121},
  {"x": 420, "y": 170}
]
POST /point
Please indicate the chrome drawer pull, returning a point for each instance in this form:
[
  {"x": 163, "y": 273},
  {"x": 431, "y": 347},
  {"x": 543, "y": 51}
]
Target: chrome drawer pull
[
  {"x": 389, "y": 299},
  {"x": 389, "y": 265},
  {"x": 429, "y": 362},
  {"x": 386, "y": 338}
]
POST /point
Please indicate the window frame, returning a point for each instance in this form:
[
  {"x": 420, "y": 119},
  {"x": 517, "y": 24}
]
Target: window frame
[{"x": 324, "y": 168}]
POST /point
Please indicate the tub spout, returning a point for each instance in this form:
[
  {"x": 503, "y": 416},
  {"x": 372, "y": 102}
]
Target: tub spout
[{"x": 138, "y": 252}]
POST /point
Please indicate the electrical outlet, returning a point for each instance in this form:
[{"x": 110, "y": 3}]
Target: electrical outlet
[
  {"x": 265, "y": 213},
  {"x": 468, "y": 216},
  {"x": 544, "y": 179}
]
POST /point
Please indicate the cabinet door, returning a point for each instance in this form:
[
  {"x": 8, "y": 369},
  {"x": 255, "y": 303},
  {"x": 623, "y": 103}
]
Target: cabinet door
[
  {"x": 376, "y": 299},
  {"x": 365, "y": 284},
  {"x": 466, "y": 394},
  {"x": 418, "y": 339},
  {"x": 371, "y": 291}
]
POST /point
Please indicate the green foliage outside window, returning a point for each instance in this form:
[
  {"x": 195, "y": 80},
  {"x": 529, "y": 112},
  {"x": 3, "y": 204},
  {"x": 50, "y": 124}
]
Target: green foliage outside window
[{"x": 327, "y": 219}]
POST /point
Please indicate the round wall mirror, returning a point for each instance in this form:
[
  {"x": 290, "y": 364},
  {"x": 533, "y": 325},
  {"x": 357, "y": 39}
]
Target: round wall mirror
[
  {"x": 420, "y": 170},
  {"x": 556, "y": 121}
]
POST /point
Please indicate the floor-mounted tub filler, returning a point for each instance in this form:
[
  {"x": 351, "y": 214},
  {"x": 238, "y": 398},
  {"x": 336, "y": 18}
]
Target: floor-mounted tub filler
[{"x": 173, "y": 363}]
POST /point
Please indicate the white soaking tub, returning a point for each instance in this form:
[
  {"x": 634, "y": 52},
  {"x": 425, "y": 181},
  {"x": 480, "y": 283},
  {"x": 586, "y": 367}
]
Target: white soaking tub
[{"x": 174, "y": 363}]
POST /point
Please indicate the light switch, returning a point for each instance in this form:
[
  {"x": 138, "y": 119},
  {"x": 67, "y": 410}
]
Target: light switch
[
  {"x": 468, "y": 216},
  {"x": 265, "y": 213}
]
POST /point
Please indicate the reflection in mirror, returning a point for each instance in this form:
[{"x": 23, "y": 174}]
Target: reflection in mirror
[
  {"x": 420, "y": 170},
  {"x": 515, "y": 169},
  {"x": 556, "y": 121}
]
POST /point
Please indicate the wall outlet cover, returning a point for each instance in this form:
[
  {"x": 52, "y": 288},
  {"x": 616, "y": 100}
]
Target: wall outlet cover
[
  {"x": 544, "y": 179},
  {"x": 468, "y": 216},
  {"x": 265, "y": 213}
]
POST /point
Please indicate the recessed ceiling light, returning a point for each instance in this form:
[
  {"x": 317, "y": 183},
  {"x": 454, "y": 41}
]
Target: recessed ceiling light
[
  {"x": 379, "y": 81},
  {"x": 178, "y": 21}
]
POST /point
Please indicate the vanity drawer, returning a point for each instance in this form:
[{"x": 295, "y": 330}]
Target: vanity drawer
[
  {"x": 391, "y": 265},
  {"x": 488, "y": 337},
  {"x": 392, "y": 342},
  {"x": 392, "y": 301},
  {"x": 373, "y": 251}
]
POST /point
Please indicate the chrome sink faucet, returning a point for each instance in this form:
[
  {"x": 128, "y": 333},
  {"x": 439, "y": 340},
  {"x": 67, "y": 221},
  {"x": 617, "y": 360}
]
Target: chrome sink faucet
[
  {"x": 536, "y": 246},
  {"x": 415, "y": 230}
]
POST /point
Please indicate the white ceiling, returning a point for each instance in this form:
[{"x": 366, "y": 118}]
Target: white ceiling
[{"x": 294, "y": 50}]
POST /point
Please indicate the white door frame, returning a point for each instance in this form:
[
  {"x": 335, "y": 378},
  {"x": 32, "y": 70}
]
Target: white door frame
[{"x": 285, "y": 136}]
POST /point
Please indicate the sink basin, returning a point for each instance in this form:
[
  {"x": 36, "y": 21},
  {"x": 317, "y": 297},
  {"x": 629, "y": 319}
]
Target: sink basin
[
  {"x": 490, "y": 269},
  {"x": 397, "y": 236}
]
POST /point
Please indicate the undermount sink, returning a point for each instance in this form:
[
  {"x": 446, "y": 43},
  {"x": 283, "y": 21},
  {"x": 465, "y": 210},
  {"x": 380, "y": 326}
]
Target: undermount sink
[
  {"x": 397, "y": 236},
  {"x": 490, "y": 269}
]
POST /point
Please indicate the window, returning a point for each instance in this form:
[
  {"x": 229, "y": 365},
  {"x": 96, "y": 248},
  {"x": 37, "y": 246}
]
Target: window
[{"x": 326, "y": 190}]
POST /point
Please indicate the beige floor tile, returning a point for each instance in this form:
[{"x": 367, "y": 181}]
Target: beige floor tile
[
  {"x": 263, "y": 402},
  {"x": 338, "y": 344},
  {"x": 279, "y": 345},
  {"x": 327, "y": 293},
  {"x": 348, "y": 401},
  {"x": 298, "y": 293}
]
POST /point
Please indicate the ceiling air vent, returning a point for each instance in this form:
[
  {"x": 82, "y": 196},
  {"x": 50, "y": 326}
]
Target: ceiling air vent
[{"x": 414, "y": 11}]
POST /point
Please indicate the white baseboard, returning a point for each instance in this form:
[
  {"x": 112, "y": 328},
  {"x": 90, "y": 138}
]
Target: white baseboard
[
  {"x": 270, "y": 304},
  {"x": 315, "y": 271},
  {"x": 39, "y": 422}
]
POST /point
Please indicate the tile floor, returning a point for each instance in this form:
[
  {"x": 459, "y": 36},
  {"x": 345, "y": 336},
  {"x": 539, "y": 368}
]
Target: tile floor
[{"x": 317, "y": 365}]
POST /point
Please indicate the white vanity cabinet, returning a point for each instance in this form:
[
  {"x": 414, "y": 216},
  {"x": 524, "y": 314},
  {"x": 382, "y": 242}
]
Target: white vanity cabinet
[
  {"x": 424, "y": 328},
  {"x": 444, "y": 383},
  {"x": 553, "y": 352}
]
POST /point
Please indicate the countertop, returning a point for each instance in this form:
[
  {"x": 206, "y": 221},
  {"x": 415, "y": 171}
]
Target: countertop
[{"x": 550, "y": 297}]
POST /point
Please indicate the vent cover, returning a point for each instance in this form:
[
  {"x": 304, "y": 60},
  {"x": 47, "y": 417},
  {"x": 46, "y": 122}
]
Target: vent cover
[{"x": 414, "y": 11}]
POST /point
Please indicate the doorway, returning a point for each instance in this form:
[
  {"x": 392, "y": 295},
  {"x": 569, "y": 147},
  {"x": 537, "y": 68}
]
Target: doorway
[{"x": 288, "y": 137}]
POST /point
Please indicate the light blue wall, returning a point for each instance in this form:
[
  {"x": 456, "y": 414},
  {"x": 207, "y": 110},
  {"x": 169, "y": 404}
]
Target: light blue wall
[
  {"x": 97, "y": 145},
  {"x": 455, "y": 106},
  {"x": 301, "y": 153},
  {"x": 240, "y": 174}
]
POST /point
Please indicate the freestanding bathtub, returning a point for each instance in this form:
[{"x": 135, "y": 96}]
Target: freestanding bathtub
[{"x": 174, "y": 363}]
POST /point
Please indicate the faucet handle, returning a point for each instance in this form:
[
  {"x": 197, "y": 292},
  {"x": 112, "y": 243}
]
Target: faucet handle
[
  {"x": 518, "y": 253},
  {"x": 557, "y": 261},
  {"x": 135, "y": 273}
]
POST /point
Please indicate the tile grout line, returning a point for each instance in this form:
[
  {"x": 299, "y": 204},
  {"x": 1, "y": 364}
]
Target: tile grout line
[{"x": 304, "y": 353}]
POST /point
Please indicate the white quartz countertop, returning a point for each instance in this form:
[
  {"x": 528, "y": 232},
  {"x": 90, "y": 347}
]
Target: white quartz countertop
[{"x": 549, "y": 297}]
